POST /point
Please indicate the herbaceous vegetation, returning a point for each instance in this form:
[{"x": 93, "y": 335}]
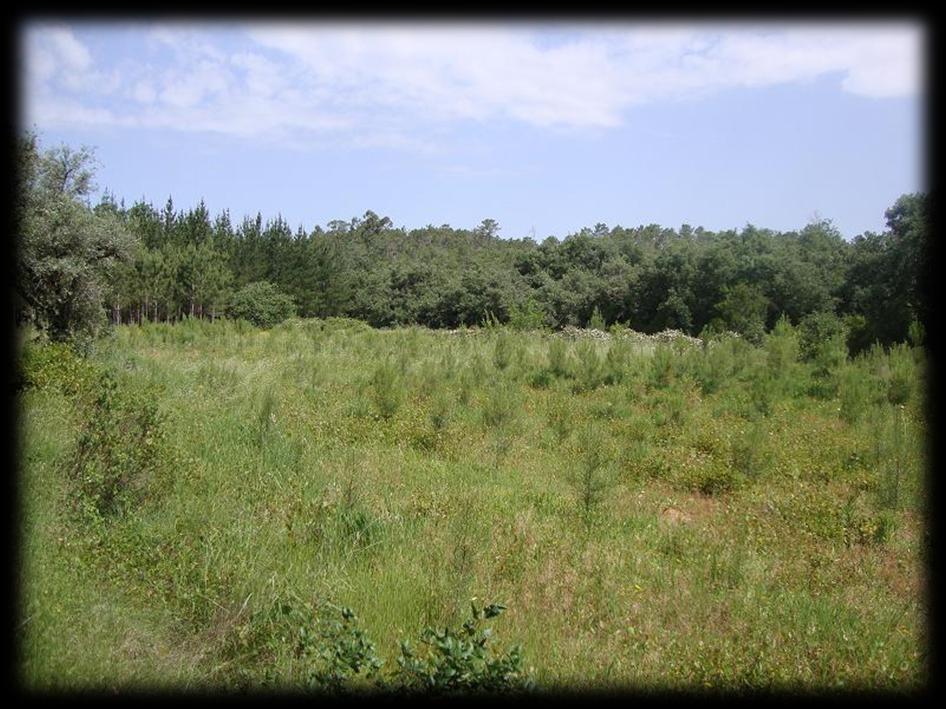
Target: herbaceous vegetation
[{"x": 634, "y": 458}]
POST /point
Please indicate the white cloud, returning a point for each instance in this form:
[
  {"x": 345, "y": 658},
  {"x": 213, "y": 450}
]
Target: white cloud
[
  {"x": 144, "y": 92},
  {"x": 390, "y": 84}
]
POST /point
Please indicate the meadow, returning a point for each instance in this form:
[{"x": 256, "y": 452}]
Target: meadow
[{"x": 212, "y": 506}]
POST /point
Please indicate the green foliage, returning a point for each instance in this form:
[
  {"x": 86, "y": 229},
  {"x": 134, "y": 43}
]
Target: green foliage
[
  {"x": 266, "y": 417},
  {"x": 596, "y": 321},
  {"x": 916, "y": 333},
  {"x": 459, "y": 661},
  {"x": 716, "y": 479},
  {"x": 749, "y": 451},
  {"x": 589, "y": 372},
  {"x": 317, "y": 647},
  {"x": 54, "y": 365},
  {"x": 527, "y": 317},
  {"x": 500, "y": 406},
  {"x": 900, "y": 375},
  {"x": 819, "y": 335},
  {"x": 854, "y": 389},
  {"x": 616, "y": 361},
  {"x": 890, "y": 454},
  {"x": 387, "y": 388},
  {"x": 78, "y": 265},
  {"x": 500, "y": 416},
  {"x": 561, "y": 419},
  {"x": 706, "y": 500},
  {"x": 503, "y": 350},
  {"x": 441, "y": 409},
  {"x": 743, "y": 310},
  {"x": 344, "y": 652},
  {"x": 68, "y": 256},
  {"x": 661, "y": 367},
  {"x": 782, "y": 347},
  {"x": 558, "y": 358},
  {"x": 823, "y": 344},
  {"x": 120, "y": 454},
  {"x": 261, "y": 304},
  {"x": 593, "y": 477},
  {"x": 325, "y": 650}
]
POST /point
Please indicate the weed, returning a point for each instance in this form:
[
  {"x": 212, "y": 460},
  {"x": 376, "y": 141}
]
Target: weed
[{"x": 386, "y": 388}]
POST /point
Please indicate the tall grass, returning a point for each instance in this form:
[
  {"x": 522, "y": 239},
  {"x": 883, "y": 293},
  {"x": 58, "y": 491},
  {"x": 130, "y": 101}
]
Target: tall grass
[{"x": 646, "y": 522}]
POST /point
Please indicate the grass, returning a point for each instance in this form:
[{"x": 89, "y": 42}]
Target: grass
[{"x": 652, "y": 518}]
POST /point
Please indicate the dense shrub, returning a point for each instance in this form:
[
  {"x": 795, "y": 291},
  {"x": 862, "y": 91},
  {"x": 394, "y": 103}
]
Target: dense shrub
[
  {"x": 458, "y": 660},
  {"x": 119, "y": 456},
  {"x": 261, "y": 304}
]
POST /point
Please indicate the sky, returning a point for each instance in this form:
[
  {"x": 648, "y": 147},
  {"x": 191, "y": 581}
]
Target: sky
[{"x": 545, "y": 127}]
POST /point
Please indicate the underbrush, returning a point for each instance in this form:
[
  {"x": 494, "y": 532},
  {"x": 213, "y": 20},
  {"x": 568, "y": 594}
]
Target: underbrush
[{"x": 646, "y": 509}]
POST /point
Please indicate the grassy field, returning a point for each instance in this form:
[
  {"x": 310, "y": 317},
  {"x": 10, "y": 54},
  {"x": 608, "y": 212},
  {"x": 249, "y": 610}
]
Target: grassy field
[{"x": 199, "y": 500}]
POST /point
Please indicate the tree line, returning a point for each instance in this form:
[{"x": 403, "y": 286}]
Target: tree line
[{"x": 81, "y": 265}]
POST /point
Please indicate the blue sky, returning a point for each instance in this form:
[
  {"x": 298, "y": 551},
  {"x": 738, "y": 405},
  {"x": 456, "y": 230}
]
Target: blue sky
[{"x": 544, "y": 127}]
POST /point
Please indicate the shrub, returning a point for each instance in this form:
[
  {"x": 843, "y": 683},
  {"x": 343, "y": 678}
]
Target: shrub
[
  {"x": 386, "y": 388},
  {"x": 558, "y": 358},
  {"x": 499, "y": 416},
  {"x": 54, "y": 365},
  {"x": 459, "y": 660},
  {"x": 118, "y": 454},
  {"x": 440, "y": 410},
  {"x": 529, "y": 316},
  {"x": 261, "y": 304},
  {"x": 500, "y": 406},
  {"x": 854, "y": 390},
  {"x": 541, "y": 378},
  {"x": 748, "y": 452},
  {"x": 782, "y": 347},
  {"x": 596, "y": 321},
  {"x": 589, "y": 373},
  {"x": 265, "y": 417},
  {"x": 762, "y": 389},
  {"x": 560, "y": 419},
  {"x": 661, "y": 367},
  {"x": 591, "y": 480},
  {"x": 503, "y": 351},
  {"x": 900, "y": 375},
  {"x": 317, "y": 646},
  {"x": 715, "y": 479},
  {"x": 615, "y": 362}
]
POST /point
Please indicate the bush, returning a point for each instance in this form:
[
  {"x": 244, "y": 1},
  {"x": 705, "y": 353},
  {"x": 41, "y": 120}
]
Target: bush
[
  {"x": 529, "y": 316},
  {"x": 118, "y": 455},
  {"x": 503, "y": 351},
  {"x": 592, "y": 480},
  {"x": 819, "y": 335},
  {"x": 596, "y": 321},
  {"x": 855, "y": 393},
  {"x": 386, "y": 389},
  {"x": 319, "y": 647},
  {"x": 459, "y": 661},
  {"x": 782, "y": 347},
  {"x": 589, "y": 373},
  {"x": 261, "y": 304},
  {"x": 53, "y": 365},
  {"x": 558, "y": 358},
  {"x": 661, "y": 367}
]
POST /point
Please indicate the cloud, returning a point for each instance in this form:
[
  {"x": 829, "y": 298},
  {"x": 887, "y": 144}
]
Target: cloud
[{"x": 395, "y": 85}]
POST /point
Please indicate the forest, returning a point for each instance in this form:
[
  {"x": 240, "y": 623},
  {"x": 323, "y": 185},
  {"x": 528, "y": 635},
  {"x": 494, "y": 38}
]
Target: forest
[{"x": 141, "y": 263}]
